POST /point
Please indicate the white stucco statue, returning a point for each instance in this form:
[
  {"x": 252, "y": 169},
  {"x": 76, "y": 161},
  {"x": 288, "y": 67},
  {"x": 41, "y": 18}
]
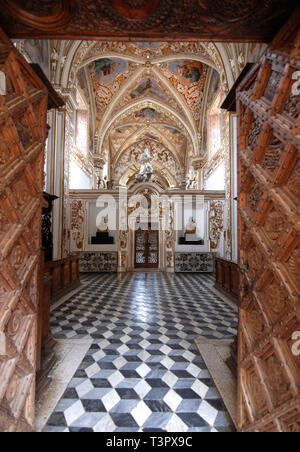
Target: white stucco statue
[
  {"x": 102, "y": 226},
  {"x": 146, "y": 170},
  {"x": 192, "y": 179},
  {"x": 191, "y": 226}
]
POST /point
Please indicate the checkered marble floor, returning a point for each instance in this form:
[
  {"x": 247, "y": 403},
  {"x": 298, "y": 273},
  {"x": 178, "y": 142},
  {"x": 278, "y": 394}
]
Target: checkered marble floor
[{"x": 143, "y": 371}]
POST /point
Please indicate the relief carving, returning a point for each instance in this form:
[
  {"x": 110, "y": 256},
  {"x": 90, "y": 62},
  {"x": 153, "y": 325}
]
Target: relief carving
[
  {"x": 24, "y": 132},
  {"x": 294, "y": 265},
  {"x": 250, "y": 20},
  {"x": 270, "y": 267},
  {"x": 254, "y": 132},
  {"x": 274, "y": 225},
  {"x": 257, "y": 395},
  {"x": 160, "y": 155},
  {"x": 40, "y": 8},
  {"x": 292, "y": 426},
  {"x": 275, "y": 298},
  {"x": 273, "y": 85},
  {"x": 292, "y": 106},
  {"x": 4, "y": 154},
  {"x": 3, "y": 222},
  {"x": 256, "y": 263},
  {"x": 18, "y": 333},
  {"x": 135, "y": 9},
  {"x": 17, "y": 257},
  {"x": 277, "y": 380},
  {"x": 254, "y": 197},
  {"x": 15, "y": 323},
  {"x": 272, "y": 157},
  {"x": 256, "y": 325},
  {"x": 228, "y": 11},
  {"x": 21, "y": 193},
  {"x": 293, "y": 184}
]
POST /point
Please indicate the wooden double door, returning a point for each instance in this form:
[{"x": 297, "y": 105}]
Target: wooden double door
[
  {"x": 269, "y": 239},
  {"x": 146, "y": 248}
]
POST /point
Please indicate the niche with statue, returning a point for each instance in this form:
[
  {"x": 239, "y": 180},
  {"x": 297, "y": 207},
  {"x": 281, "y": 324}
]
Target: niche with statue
[
  {"x": 191, "y": 236},
  {"x": 102, "y": 235}
]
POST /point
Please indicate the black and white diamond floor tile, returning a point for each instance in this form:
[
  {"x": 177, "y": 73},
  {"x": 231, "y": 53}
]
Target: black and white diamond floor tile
[{"x": 143, "y": 371}]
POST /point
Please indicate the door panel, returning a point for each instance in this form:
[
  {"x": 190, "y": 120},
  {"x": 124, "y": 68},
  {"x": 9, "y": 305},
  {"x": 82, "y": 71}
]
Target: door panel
[
  {"x": 22, "y": 136},
  {"x": 146, "y": 249},
  {"x": 269, "y": 239}
]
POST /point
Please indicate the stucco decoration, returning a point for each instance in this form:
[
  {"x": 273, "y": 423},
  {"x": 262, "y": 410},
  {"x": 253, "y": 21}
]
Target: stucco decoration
[
  {"x": 216, "y": 223},
  {"x": 161, "y": 157},
  {"x": 77, "y": 225}
]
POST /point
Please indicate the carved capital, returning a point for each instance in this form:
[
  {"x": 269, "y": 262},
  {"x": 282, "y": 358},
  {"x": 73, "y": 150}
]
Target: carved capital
[
  {"x": 99, "y": 162},
  {"x": 198, "y": 163}
]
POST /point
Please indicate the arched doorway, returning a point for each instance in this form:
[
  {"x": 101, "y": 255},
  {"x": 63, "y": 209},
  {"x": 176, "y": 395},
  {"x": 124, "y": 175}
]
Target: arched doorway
[{"x": 146, "y": 248}]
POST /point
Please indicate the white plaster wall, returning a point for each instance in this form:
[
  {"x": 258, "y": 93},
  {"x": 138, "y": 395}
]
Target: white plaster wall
[
  {"x": 78, "y": 179},
  {"x": 217, "y": 179}
]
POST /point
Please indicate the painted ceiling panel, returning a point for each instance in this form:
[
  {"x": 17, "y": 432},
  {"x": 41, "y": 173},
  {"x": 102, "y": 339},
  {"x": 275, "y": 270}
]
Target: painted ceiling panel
[
  {"x": 145, "y": 91},
  {"x": 107, "y": 76},
  {"x": 189, "y": 78}
]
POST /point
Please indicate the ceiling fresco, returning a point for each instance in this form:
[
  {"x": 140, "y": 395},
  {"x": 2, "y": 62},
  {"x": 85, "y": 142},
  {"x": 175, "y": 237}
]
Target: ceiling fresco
[
  {"x": 148, "y": 87},
  {"x": 137, "y": 96},
  {"x": 189, "y": 78},
  {"x": 107, "y": 76}
]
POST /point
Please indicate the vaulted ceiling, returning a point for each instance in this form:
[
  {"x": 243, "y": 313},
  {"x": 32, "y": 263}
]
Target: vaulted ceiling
[
  {"x": 140, "y": 99},
  {"x": 210, "y": 20}
]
